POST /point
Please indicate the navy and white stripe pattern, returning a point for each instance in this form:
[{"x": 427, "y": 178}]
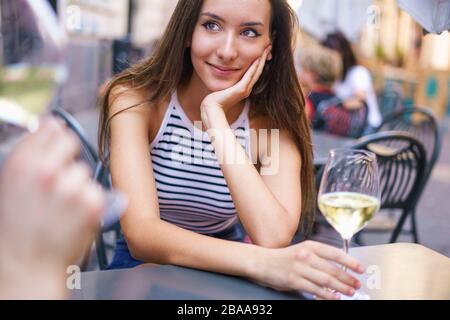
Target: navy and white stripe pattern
[{"x": 192, "y": 191}]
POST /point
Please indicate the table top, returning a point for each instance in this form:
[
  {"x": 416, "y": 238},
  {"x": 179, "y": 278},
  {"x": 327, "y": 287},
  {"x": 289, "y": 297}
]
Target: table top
[
  {"x": 406, "y": 271},
  {"x": 324, "y": 142},
  {"x": 161, "y": 282},
  {"x": 394, "y": 271}
]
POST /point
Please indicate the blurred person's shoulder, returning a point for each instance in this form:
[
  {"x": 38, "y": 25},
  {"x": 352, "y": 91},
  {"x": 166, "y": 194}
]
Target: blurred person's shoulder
[
  {"x": 359, "y": 77},
  {"x": 359, "y": 71}
]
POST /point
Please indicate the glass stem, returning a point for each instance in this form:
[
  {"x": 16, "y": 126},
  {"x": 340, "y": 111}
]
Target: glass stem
[{"x": 346, "y": 246}]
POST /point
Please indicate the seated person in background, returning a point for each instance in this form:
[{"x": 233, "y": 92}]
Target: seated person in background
[
  {"x": 320, "y": 68},
  {"x": 49, "y": 211},
  {"x": 355, "y": 82}
]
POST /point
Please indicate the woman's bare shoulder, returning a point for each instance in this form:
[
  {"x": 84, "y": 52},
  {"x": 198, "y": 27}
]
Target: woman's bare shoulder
[{"x": 124, "y": 99}]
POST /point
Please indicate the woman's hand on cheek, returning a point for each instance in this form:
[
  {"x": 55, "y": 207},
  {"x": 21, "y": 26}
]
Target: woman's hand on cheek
[{"x": 241, "y": 90}]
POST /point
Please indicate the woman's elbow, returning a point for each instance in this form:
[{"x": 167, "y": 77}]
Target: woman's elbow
[
  {"x": 141, "y": 248},
  {"x": 135, "y": 247},
  {"x": 276, "y": 240}
]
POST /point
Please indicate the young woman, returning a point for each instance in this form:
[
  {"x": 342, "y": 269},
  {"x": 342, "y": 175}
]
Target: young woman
[
  {"x": 229, "y": 65},
  {"x": 356, "y": 84}
]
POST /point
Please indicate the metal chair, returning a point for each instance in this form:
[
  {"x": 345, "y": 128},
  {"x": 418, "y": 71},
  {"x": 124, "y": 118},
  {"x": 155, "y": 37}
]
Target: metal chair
[
  {"x": 390, "y": 99},
  {"x": 87, "y": 154},
  {"x": 422, "y": 124},
  {"x": 102, "y": 176},
  {"x": 402, "y": 162}
]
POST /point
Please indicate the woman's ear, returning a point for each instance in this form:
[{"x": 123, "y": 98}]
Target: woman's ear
[
  {"x": 272, "y": 40},
  {"x": 269, "y": 55}
]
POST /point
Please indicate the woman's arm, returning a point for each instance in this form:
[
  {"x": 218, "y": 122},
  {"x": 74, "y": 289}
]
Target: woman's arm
[
  {"x": 269, "y": 204},
  {"x": 307, "y": 266},
  {"x": 149, "y": 238}
]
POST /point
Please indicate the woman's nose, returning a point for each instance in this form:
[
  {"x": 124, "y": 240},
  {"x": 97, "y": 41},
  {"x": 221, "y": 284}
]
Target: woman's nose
[{"x": 227, "y": 49}]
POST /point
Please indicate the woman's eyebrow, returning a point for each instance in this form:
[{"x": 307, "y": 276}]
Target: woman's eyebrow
[{"x": 245, "y": 24}]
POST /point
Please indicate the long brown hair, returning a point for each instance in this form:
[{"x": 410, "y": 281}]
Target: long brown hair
[{"x": 277, "y": 93}]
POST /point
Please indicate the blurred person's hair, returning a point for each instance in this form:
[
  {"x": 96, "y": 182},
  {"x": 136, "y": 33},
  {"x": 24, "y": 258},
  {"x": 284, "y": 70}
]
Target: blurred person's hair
[
  {"x": 277, "y": 94},
  {"x": 337, "y": 41},
  {"x": 323, "y": 62}
]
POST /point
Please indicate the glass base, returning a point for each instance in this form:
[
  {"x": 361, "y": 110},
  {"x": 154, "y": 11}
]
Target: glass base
[{"x": 359, "y": 295}]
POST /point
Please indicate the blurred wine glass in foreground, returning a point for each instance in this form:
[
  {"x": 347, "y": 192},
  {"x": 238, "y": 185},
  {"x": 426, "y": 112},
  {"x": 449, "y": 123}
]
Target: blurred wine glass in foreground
[
  {"x": 31, "y": 60},
  {"x": 32, "y": 68}
]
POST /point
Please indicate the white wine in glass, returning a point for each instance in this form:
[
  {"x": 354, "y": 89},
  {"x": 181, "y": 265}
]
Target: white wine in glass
[
  {"x": 26, "y": 91},
  {"x": 349, "y": 193},
  {"x": 348, "y": 212},
  {"x": 32, "y": 60}
]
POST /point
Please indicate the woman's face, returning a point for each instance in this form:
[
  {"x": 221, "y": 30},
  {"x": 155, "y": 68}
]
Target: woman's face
[{"x": 228, "y": 37}]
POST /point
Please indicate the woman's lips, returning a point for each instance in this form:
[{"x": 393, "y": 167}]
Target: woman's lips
[{"x": 221, "y": 71}]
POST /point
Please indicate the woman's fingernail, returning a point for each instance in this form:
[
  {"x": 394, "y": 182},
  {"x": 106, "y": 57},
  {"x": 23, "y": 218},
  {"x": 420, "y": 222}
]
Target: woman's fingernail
[
  {"x": 361, "y": 269},
  {"x": 337, "y": 296},
  {"x": 357, "y": 284}
]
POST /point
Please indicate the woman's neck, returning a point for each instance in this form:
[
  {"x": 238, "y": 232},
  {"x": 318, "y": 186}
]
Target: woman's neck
[{"x": 192, "y": 94}]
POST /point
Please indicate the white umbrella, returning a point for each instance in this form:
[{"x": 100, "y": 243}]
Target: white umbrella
[
  {"x": 433, "y": 15},
  {"x": 319, "y": 17}
]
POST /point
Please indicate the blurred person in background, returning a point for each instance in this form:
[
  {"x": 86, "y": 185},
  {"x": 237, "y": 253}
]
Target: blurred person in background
[
  {"x": 320, "y": 68},
  {"x": 49, "y": 212},
  {"x": 229, "y": 66},
  {"x": 355, "y": 85}
]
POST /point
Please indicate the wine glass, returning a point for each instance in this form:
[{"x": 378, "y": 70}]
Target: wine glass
[
  {"x": 32, "y": 68},
  {"x": 349, "y": 193}
]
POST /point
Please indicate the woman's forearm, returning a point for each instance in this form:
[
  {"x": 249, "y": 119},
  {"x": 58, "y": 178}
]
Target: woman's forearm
[
  {"x": 164, "y": 243},
  {"x": 264, "y": 218}
]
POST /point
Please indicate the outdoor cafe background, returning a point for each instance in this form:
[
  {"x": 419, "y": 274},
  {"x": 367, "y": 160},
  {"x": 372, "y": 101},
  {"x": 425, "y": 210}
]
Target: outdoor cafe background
[
  {"x": 388, "y": 41},
  {"x": 107, "y": 35}
]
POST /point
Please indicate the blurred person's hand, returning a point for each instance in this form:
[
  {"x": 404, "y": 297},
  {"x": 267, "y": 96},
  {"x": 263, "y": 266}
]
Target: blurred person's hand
[{"x": 49, "y": 211}]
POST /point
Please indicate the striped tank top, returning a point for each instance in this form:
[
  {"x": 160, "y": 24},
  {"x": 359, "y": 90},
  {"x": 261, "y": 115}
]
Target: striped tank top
[{"x": 192, "y": 190}]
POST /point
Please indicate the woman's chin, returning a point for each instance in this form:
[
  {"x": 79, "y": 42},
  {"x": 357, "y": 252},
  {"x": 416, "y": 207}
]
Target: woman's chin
[{"x": 215, "y": 86}]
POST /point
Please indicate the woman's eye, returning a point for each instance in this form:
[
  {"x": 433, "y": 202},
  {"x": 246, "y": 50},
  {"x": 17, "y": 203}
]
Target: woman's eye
[
  {"x": 212, "y": 26},
  {"x": 250, "y": 33}
]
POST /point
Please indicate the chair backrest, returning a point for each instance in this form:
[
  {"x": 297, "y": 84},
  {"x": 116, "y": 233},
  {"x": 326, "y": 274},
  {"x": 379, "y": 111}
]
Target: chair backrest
[
  {"x": 422, "y": 124},
  {"x": 103, "y": 177},
  {"x": 402, "y": 163},
  {"x": 88, "y": 152},
  {"x": 100, "y": 174},
  {"x": 390, "y": 99}
]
